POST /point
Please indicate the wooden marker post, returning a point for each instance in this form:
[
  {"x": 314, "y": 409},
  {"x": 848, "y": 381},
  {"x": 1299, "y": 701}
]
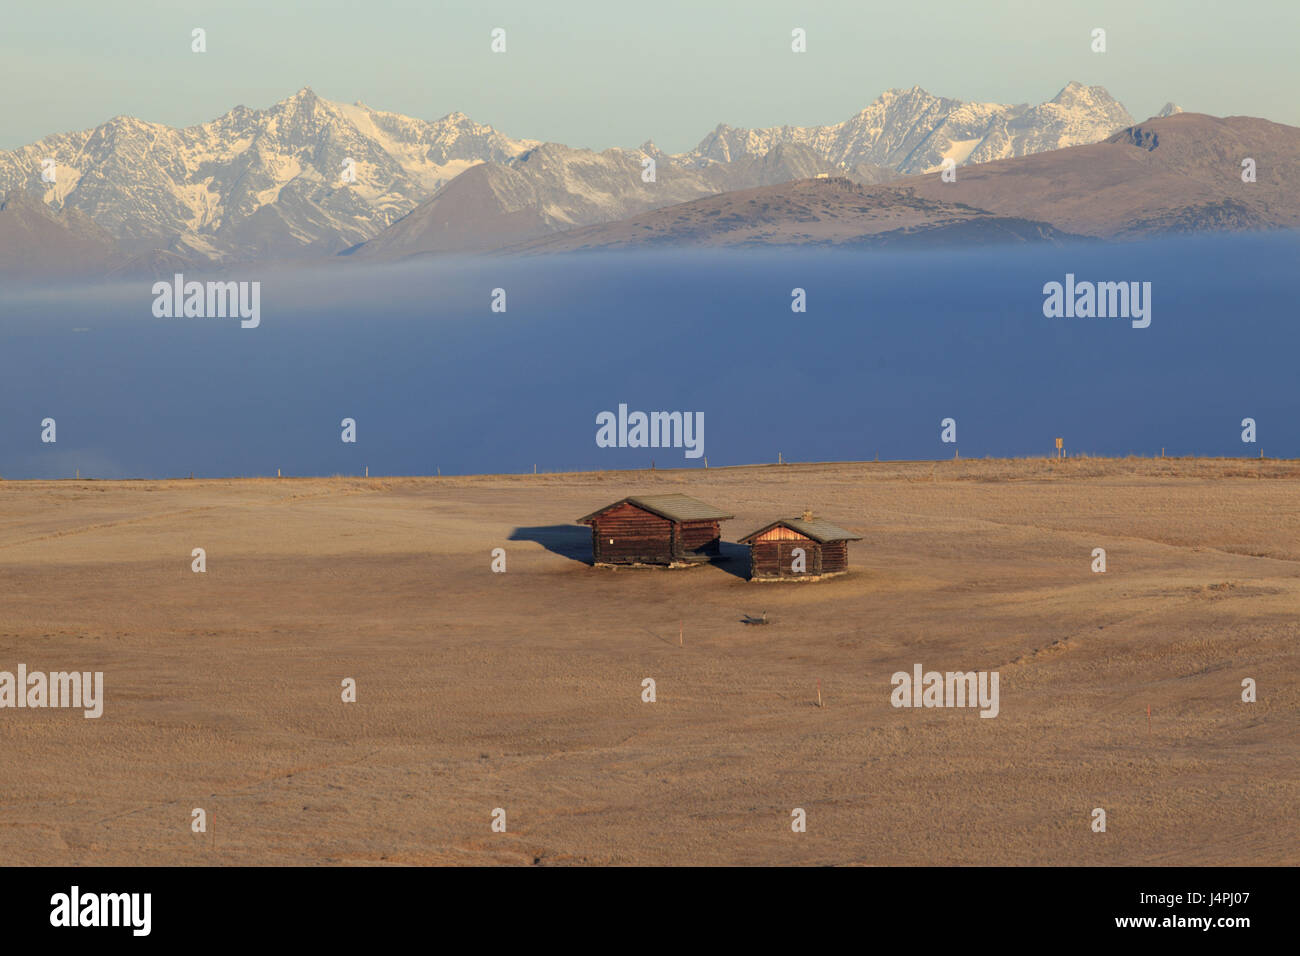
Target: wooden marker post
[
  {"x": 1060, "y": 446},
  {"x": 680, "y": 628},
  {"x": 819, "y": 692}
]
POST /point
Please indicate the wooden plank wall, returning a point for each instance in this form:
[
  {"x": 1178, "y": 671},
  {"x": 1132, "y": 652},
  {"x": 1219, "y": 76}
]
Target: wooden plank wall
[
  {"x": 774, "y": 558},
  {"x": 639, "y": 537},
  {"x": 701, "y": 537},
  {"x": 835, "y": 557}
]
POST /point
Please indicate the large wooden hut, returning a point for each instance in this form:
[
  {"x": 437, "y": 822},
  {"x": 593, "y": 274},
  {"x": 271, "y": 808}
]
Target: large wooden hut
[
  {"x": 772, "y": 550},
  {"x": 672, "y": 530}
]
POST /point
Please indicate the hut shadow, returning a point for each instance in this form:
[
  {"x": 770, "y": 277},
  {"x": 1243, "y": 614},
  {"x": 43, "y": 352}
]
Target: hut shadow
[
  {"x": 732, "y": 558},
  {"x": 568, "y": 540}
]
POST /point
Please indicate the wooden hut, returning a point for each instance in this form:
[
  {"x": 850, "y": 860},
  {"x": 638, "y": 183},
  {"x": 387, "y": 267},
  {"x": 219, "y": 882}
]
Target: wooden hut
[
  {"x": 672, "y": 530},
  {"x": 825, "y": 550}
]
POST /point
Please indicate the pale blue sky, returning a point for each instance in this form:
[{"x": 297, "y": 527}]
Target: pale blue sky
[{"x": 613, "y": 73}]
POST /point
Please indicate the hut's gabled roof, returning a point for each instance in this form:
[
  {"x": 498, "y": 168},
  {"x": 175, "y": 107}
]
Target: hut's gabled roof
[
  {"x": 672, "y": 507},
  {"x": 823, "y": 532}
]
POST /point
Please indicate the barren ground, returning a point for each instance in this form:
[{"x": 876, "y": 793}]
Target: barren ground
[{"x": 522, "y": 690}]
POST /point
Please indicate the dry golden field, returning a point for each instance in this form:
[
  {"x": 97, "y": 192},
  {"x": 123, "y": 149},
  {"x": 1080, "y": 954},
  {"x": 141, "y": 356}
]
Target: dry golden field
[{"x": 522, "y": 690}]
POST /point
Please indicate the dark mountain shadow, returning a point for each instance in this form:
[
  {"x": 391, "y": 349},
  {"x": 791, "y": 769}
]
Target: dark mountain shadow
[{"x": 567, "y": 540}]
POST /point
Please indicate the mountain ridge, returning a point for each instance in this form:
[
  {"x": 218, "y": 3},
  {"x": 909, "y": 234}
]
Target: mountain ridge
[
  {"x": 1169, "y": 175},
  {"x": 268, "y": 184}
]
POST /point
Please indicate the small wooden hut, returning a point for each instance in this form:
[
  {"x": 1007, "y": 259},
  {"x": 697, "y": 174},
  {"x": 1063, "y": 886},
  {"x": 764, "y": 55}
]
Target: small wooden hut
[
  {"x": 825, "y": 550},
  {"x": 672, "y": 530}
]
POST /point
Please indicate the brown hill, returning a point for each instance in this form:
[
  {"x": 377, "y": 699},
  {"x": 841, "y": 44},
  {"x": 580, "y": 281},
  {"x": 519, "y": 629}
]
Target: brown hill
[
  {"x": 484, "y": 207},
  {"x": 1180, "y": 173},
  {"x": 38, "y": 241},
  {"x": 831, "y": 212}
]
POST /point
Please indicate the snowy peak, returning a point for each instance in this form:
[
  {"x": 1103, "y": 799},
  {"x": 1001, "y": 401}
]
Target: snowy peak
[
  {"x": 914, "y": 131},
  {"x": 304, "y": 175},
  {"x": 1075, "y": 95}
]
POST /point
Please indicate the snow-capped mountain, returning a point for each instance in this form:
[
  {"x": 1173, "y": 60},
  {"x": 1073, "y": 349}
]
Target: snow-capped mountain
[
  {"x": 308, "y": 176},
  {"x": 913, "y": 131},
  {"x": 554, "y": 188},
  {"x": 255, "y": 183}
]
